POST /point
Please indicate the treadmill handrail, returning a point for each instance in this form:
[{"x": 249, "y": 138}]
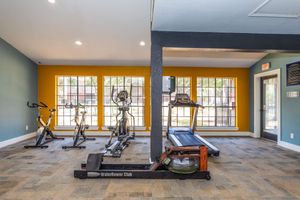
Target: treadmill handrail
[{"x": 183, "y": 100}]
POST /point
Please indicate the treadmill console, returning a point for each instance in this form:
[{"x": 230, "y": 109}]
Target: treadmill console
[{"x": 182, "y": 98}]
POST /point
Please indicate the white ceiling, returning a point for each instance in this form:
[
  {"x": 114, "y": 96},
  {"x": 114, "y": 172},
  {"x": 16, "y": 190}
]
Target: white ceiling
[
  {"x": 112, "y": 29},
  {"x": 227, "y": 16},
  {"x": 109, "y": 29}
]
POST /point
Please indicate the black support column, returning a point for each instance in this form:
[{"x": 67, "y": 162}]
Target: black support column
[{"x": 156, "y": 101}]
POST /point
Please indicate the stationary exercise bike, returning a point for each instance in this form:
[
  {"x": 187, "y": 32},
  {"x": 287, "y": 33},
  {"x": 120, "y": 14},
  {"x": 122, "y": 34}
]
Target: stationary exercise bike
[
  {"x": 121, "y": 130},
  {"x": 44, "y": 134},
  {"x": 79, "y": 136}
]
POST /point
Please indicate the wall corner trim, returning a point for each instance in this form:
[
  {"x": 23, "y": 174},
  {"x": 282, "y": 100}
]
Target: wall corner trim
[
  {"x": 289, "y": 146},
  {"x": 17, "y": 139}
]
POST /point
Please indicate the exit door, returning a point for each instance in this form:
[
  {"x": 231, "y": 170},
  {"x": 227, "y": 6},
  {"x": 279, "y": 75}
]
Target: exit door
[{"x": 269, "y": 105}]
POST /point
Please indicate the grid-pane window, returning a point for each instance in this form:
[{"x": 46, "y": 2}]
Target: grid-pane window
[
  {"x": 218, "y": 96},
  {"x": 180, "y": 115},
  {"x": 138, "y": 98},
  {"x": 76, "y": 89}
]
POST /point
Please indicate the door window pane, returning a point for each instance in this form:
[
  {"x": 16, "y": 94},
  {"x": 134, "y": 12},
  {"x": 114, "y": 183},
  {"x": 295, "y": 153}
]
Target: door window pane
[{"x": 270, "y": 104}]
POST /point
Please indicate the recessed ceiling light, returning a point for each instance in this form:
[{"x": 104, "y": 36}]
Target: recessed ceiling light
[
  {"x": 142, "y": 43},
  {"x": 78, "y": 42},
  {"x": 51, "y": 1}
]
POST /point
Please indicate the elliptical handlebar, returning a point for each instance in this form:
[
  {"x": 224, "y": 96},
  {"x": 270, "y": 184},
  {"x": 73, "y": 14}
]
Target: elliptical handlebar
[
  {"x": 70, "y": 106},
  {"x": 130, "y": 95},
  {"x": 81, "y": 106},
  {"x": 127, "y": 97},
  {"x": 112, "y": 95}
]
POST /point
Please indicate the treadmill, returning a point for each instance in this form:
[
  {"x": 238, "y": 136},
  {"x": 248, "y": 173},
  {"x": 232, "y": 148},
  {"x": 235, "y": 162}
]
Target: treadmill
[{"x": 185, "y": 136}]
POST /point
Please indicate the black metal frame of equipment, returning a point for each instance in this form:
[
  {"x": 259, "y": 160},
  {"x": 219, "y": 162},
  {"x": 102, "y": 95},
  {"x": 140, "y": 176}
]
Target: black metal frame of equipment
[
  {"x": 121, "y": 130},
  {"x": 79, "y": 136},
  {"x": 95, "y": 169},
  {"x": 178, "y": 134},
  {"x": 136, "y": 171},
  {"x": 44, "y": 133}
]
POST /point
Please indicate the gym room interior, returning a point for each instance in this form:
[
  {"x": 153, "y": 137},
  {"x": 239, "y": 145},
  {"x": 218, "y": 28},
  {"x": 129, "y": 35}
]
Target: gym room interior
[{"x": 149, "y": 99}]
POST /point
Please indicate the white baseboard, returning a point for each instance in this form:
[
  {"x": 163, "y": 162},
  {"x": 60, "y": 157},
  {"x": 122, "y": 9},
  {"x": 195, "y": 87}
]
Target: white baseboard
[
  {"x": 17, "y": 139},
  {"x": 217, "y": 128},
  {"x": 289, "y": 146},
  {"x": 226, "y": 133},
  {"x": 137, "y": 128},
  {"x": 70, "y": 128},
  {"x": 147, "y": 133},
  {"x": 95, "y": 133}
]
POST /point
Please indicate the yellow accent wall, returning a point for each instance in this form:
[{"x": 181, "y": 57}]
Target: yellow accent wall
[{"x": 47, "y": 86}]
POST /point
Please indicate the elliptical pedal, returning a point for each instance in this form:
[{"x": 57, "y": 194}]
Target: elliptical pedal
[{"x": 94, "y": 161}]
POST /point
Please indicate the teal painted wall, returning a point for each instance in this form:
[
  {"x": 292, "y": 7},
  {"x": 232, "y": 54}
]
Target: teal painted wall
[
  {"x": 18, "y": 84},
  {"x": 290, "y": 107}
]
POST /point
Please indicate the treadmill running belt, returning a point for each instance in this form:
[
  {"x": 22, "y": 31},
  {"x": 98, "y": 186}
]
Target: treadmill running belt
[
  {"x": 186, "y": 138},
  {"x": 189, "y": 140}
]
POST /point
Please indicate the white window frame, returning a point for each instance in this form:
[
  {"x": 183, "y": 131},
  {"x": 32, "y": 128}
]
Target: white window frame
[
  {"x": 217, "y": 128},
  {"x": 141, "y": 98},
  {"x": 71, "y": 127}
]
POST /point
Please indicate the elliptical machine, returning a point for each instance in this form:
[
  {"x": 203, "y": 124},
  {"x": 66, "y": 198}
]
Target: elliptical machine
[
  {"x": 123, "y": 100},
  {"x": 44, "y": 134},
  {"x": 79, "y": 132}
]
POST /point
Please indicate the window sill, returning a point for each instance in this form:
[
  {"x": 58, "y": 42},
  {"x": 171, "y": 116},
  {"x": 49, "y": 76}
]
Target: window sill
[
  {"x": 68, "y": 128},
  {"x": 164, "y": 128},
  {"x": 137, "y": 128},
  {"x": 217, "y": 128}
]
